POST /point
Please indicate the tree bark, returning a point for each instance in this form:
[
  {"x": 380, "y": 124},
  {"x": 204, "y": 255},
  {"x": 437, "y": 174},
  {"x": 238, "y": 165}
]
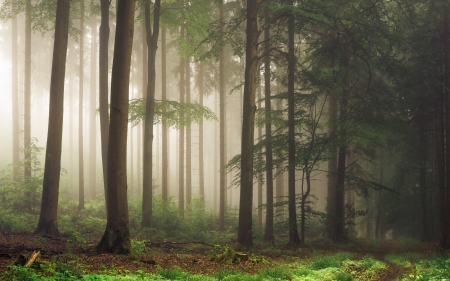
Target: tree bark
[
  {"x": 103, "y": 87},
  {"x": 222, "y": 131},
  {"x": 27, "y": 98},
  {"x": 201, "y": 166},
  {"x": 152, "y": 44},
  {"x": 116, "y": 238},
  {"x": 15, "y": 99},
  {"x": 188, "y": 141},
  {"x": 445, "y": 239},
  {"x": 80, "y": 114},
  {"x": 260, "y": 178},
  {"x": 49, "y": 204},
  {"x": 248, "y": 126},
  {"x": 164, "y": 133},
  {"x": 182, "y": 87},
  {"x": 332, "y": 166},
  {"x": 294, "y": 239},
  {"x": 268, "y": 234},
  {"x": 92, "y": 115}
]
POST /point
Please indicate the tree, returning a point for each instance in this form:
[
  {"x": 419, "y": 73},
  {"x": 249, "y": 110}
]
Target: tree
[
  {"x": 294, "y": 239},
  {"x": 268, "y": 233},
  {"x": 116, "y": 238},
  {"x": 103, "y": 86},
  {"x": 15, "y": 97},
  {"x": 152, "y": 41},
  {"x": 164, "y": 134},
  {"x": 49, "y": 204},
  {"x": 445, "y": 239},
  {"x": 248, "y": 125},
  {"x": 222, "y": 131},
  {"x": 93, "y": 113},
  {"x": 27, "y": 92},
  {"x": 80, "y": 114}
]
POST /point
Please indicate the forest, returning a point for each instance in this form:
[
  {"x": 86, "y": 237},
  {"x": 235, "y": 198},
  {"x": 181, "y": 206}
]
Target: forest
[{"x": 225, "y": 140}]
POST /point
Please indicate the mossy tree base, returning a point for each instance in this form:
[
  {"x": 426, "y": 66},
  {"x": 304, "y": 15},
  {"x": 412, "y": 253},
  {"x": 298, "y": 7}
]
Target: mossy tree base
[{"x": 116, "y": 240}]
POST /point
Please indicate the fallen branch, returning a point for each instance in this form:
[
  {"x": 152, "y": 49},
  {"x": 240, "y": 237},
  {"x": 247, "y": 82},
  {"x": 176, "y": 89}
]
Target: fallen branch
[{"x": 33, "y": 257}]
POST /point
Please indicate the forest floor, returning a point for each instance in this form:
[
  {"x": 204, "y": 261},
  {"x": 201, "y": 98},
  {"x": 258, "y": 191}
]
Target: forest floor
[{"x": 194, "y": 257}]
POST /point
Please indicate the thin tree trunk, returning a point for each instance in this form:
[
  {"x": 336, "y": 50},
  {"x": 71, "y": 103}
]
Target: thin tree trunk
[
  {"x": 422, "y": 178},
  {"x": 182, "y": 87},
  {"x": 188, "y": 141},
  {"x": 92, "y": 115},
  {"x": 294, "y": 239},
  {"x": 27, "y": 96},
  {"x": 103, "y": 86},
  {"x": 15, "y": 99},
  {"x": 80, "y": 114},
  {"x": 268, "y": 234},
  {"x": 152, "y": 44},
  {"x": 201, "y": 166},
  {"x": 260, "y": 180},
  {"x": 165, "y": 135},
  {"x": 248, "y": 127},
  {"x": 445, "y": 239},
  {"x": 49, "y": 204},
  {"x": 222, "y": 133},
  {"x": 332, "y": 166},
  {"x": 116, "y": 238}
]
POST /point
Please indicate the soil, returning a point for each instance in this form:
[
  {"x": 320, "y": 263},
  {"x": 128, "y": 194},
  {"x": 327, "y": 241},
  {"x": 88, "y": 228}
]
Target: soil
[{"x": 191, "y": 257}]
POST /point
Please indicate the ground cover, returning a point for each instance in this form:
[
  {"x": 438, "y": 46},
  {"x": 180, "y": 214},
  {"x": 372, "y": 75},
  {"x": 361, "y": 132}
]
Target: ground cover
[{"x": 62, "y": 258}]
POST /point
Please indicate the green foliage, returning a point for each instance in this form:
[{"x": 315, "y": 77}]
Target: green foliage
[
  {"x": 138, "y": 247},
  {"x": 330, "y": 260},
  {"x": 171, "y": 111}
]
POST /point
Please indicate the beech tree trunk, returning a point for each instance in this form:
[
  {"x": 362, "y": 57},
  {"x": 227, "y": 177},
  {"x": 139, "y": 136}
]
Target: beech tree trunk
[
  {"x": 116, "y": 238},
  {"x": 152, "y": 44},
  {"x": 248, "y": 126},
  {"x": 332, "y": 166},
  {"x": 49, "y": 204}
]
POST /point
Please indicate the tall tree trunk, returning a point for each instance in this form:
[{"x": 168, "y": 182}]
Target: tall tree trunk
[
  {"x": 294, "y": 239},
  {"x": 103, "y": 86},
  {"x": 116, "y": 238},
  {"x": 248, "y": 126},
  {"x": 49, "y": 204},
  {"x": 15, "y": 99},
  {"x": 80, "y": 114},
  {"x": 305, "y": 195},
  {"x": 260, "y": 178},
  {"x": 201, "y": 167},
  {"x": 280, "y": 178},
  {"x": 445, "y": 239},
  {"x": 440, "y": 159},
  {"x": 422, "y": 178},
  {"x": 164, "y": 133},
  {"x": 268, "y": 234},
  {"x": 188, "y": 141},
  {"x": 222, "y": 133},
  {"x": 27, "y": 98},
  {"x": 339, "y": 223},
  {"x": 92, "y": 115},
  {"x": 182, "y": 87},
  {"x": 152, "y": 44},
  {"x": 332, "y": 166}
]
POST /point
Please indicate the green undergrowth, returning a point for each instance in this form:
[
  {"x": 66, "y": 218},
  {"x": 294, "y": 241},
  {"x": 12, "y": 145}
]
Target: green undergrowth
[{"x": 341, "y": 266}]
